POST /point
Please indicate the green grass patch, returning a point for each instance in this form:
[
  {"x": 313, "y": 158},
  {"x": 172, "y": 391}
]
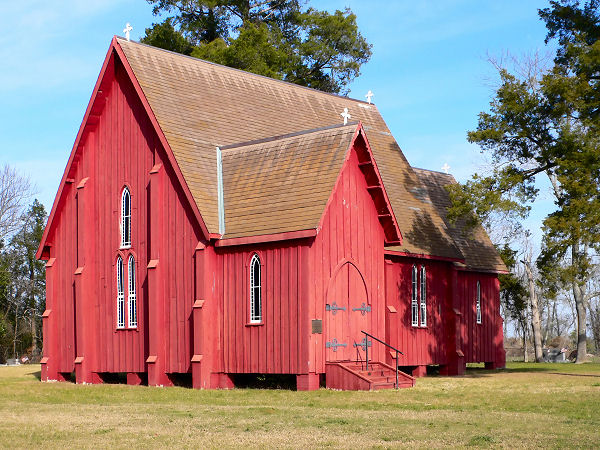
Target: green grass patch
[{"x": 525, "y": 405}]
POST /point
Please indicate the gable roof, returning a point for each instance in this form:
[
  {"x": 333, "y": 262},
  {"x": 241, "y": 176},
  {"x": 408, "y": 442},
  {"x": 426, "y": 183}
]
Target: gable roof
[
  {"x": 283, "y": 184},
  {"x": 478, "y": 250},
  {"x": 201, "y": 105}
]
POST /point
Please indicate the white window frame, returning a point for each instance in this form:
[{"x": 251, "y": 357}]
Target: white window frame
[
  {"x": 120, "y": 293},
  {"x": 132, "y": 293},
  {"x": 255, "y": 290},
  {"x": 478, "y": 303},
  {"x": 125, "y": 218},
  {"x": 415, "y": 296},
  {"x": 423, "y": 296}
]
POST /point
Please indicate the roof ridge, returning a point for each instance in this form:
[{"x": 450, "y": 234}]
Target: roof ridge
[
  {"x": 433, "y": 171},
  {"x": 342, "y": 97},
  {"x": 287, "y": 136}
]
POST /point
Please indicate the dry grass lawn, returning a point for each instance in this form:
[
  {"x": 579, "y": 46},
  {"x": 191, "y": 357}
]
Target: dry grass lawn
[{"x": 527, "y": 405}]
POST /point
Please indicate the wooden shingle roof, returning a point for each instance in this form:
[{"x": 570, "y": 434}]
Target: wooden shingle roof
[
  {"x": 478, "y": 250},
  {"x": 200, "y": 105},
  {"x": 282, "y": 185}
]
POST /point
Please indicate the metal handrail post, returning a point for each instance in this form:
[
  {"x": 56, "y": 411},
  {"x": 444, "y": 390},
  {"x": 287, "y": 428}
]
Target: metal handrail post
[
  {"x": 367, "y": 352},
  {"x": 396, "y": 369}
]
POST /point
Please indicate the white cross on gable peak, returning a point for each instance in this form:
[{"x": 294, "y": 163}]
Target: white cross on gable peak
[
  {"x": 446, "y": 168},
  {"x": 369, "y": 96},
  {"x": 128, "y": 28},
  {"x": 346, "y": 116}
]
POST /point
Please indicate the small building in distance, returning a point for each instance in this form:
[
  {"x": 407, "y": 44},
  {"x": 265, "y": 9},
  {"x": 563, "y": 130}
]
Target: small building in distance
[{"x": 214, "y": 222}]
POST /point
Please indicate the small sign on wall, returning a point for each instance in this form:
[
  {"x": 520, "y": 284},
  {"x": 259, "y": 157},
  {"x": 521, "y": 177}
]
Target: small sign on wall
[{"x": 317, "y": 326}]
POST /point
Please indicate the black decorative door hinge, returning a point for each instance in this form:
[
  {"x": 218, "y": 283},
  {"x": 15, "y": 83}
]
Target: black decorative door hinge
[
  {"x": 363, "y": 344},
  {"x": 334, "y": 344},
  {"x": 363, "y": 309},
  {"x": 334, "y": 308}
]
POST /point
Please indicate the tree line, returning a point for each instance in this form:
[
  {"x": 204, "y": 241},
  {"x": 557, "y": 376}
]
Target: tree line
[{"x": 22, "y": 277}]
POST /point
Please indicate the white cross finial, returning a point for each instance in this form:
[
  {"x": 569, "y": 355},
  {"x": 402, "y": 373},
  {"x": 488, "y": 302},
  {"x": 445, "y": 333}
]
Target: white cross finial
[
  {"x": 126, "y": 30},
  {"x": 369, "y": 95},
  {"x": 346, "y": 116},
  {"x": 445, "y": 167}
]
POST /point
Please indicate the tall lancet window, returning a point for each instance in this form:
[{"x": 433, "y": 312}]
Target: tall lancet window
[
  {"x": 415, "y": 297},
  {"x": 132, "y": 298},
  {"x": 255, "y": 290},
  {"x": 423, "y": 297},
  {"x": 125, "y": 218},
  {"x": 120, "y": 295},
  {"x": 478, "y": 303}
]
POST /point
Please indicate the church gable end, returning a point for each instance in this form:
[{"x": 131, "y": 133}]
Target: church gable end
[{"x": 118, "y": 190}]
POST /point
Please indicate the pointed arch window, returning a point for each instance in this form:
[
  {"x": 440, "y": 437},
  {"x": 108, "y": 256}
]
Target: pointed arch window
[
  {"x": 255, "y": 290},
  {"x": 132, "y": 293},
  {"x": 423, "y": 297},
  {"x": 415, "y": 297},
  {"x": 418, "y": 304},
  {"x": 125, "y": 218},
  {"x": 478, "y": 303},
  {"x": 120, "y": 294}
]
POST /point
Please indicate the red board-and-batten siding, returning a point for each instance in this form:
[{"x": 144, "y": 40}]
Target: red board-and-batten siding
[
  {"x": 351, "y": 234},
  {"x": 421, "y": 345},
  {"x": 278, "y": 343},
  {"x": 297, "y": 283},
  {"x": 119, "y": 151},
  {"x": 480, "y": 342},
  {"x": 433, "y": 344}
]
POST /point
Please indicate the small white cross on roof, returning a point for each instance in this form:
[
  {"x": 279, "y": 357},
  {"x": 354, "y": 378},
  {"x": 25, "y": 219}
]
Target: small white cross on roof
[
  {"x": 445, "y": 167},
  {"x": 346, "y": 116},
  {"x": 369, "y": 95},
  {"x": 126, "y": 30}
]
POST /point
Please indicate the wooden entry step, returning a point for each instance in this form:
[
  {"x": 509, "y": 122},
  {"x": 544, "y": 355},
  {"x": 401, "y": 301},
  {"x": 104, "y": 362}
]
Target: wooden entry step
[{"x": 352, "y": 376}]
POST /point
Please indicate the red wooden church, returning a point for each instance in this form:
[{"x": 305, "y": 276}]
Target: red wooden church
[{"x": 214, "y": 222}]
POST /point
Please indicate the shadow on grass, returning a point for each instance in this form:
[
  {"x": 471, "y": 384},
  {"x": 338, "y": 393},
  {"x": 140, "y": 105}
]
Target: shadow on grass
[
  {"x": 575, "y": 374},
  {"x": 37, "y": 374},
  {"x": 528, "y": 369},
  {"x": 567, "y": 369},
  {"x": 480, "y": 372}
]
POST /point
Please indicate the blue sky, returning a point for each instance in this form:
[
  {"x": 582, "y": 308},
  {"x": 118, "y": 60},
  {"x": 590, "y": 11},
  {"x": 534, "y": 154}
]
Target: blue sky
[{"x": 429, "y": 73}]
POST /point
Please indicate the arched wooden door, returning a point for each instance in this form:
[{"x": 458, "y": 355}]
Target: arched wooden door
[{"x": 347, "y": 313}]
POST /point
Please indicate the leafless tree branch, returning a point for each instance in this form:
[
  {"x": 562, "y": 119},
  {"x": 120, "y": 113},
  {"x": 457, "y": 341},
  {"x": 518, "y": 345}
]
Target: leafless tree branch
[{"x": 15, "y": 190}]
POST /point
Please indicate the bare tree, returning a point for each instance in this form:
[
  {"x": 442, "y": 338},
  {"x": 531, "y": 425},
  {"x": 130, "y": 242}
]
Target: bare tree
[
  {"x": 594, "y": 308},
  {"x": 535, "y": 310},
  {"x": 15, "y": 190}
]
